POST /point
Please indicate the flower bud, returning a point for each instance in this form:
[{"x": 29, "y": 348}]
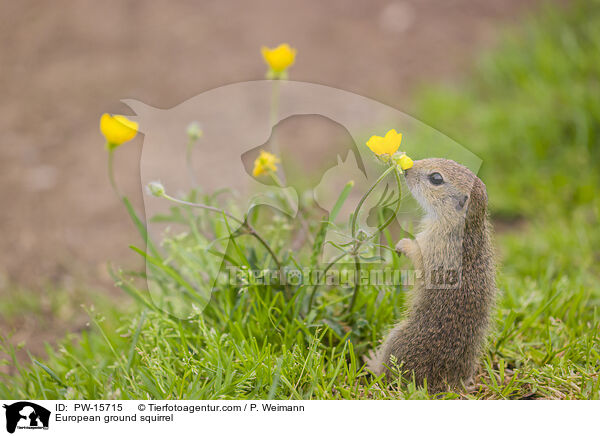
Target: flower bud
[
  {"x": 361, "y": 235},
  {"x": 405, "y": 162},
  {"x": 194, "y": 131},
  {"x": 156, "y": 189}
]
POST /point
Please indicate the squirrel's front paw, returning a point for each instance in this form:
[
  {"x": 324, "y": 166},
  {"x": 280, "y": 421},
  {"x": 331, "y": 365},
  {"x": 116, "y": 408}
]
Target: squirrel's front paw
[{"x": 404, "y": 246}]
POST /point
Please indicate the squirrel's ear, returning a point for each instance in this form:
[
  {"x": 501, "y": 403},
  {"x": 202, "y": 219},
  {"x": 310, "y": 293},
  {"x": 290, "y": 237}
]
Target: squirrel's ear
[{"x": 478, "y": 203}]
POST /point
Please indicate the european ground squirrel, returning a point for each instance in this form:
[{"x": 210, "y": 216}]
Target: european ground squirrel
[{"x": 443, "y": 334}]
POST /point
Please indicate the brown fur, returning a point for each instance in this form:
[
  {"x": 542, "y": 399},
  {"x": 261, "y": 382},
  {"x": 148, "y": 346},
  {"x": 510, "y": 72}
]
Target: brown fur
[{"x": 442, "y": 337}]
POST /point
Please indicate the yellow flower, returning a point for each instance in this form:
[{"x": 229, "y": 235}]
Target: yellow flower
[
  {"x": 264, "y": 163},
  {"x": 117, "y": 129},
  {"x": 279, "y": 58},
  {"x": 386, "y": 145},
  {"x": 405, "y": 162}
]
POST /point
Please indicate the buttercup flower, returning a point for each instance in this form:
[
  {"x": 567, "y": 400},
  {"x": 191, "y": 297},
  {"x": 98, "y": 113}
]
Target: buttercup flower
[
  {"x": 279, "y": 59},
  {"x": 117, "y": 129},
  {"x": 386, "y": 145},
  {"x": 264, "y": 163},
  {"x": 405, "y": 162}
]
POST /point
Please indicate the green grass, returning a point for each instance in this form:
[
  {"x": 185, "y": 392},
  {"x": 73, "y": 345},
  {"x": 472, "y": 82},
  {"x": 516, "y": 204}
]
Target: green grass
[{"x": 531, "y": 111}]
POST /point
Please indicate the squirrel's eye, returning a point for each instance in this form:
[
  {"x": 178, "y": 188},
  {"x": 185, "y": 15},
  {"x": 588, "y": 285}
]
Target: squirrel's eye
[{"x": 436, "y": 178}]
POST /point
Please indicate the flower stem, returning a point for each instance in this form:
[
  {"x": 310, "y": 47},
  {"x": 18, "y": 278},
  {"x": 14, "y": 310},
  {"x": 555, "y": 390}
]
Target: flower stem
[
  {"x": 111, "y": 172},
  {"x": 274, "y": 115},
  {"x": 364, "y": 197},
  {"x": 203, "y": 206},
  {"x": 245, "y": 224},
  {"x": 274, "y": 102},
  {"x": 290, "y": 203},
  {"x": 393, "y": 216},
  {"x": 252, "y": 231},
  {"x": 188, "y": 161},
  {"x": 356, "y": 282},
  {"x": 316, "y": 285},
  {"x": 357, "y": 244},
  {"x": 279, "y": 184}
]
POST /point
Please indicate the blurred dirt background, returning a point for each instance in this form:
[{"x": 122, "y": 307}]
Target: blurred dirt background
[{"x": 64, "y": 63}]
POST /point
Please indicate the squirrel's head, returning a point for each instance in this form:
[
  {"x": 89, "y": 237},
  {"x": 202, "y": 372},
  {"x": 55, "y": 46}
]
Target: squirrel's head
[{"x": 446, "y": 189}]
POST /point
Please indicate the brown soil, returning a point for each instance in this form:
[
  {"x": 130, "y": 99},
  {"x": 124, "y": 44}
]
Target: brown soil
[{"x": 64, "y": 63}]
